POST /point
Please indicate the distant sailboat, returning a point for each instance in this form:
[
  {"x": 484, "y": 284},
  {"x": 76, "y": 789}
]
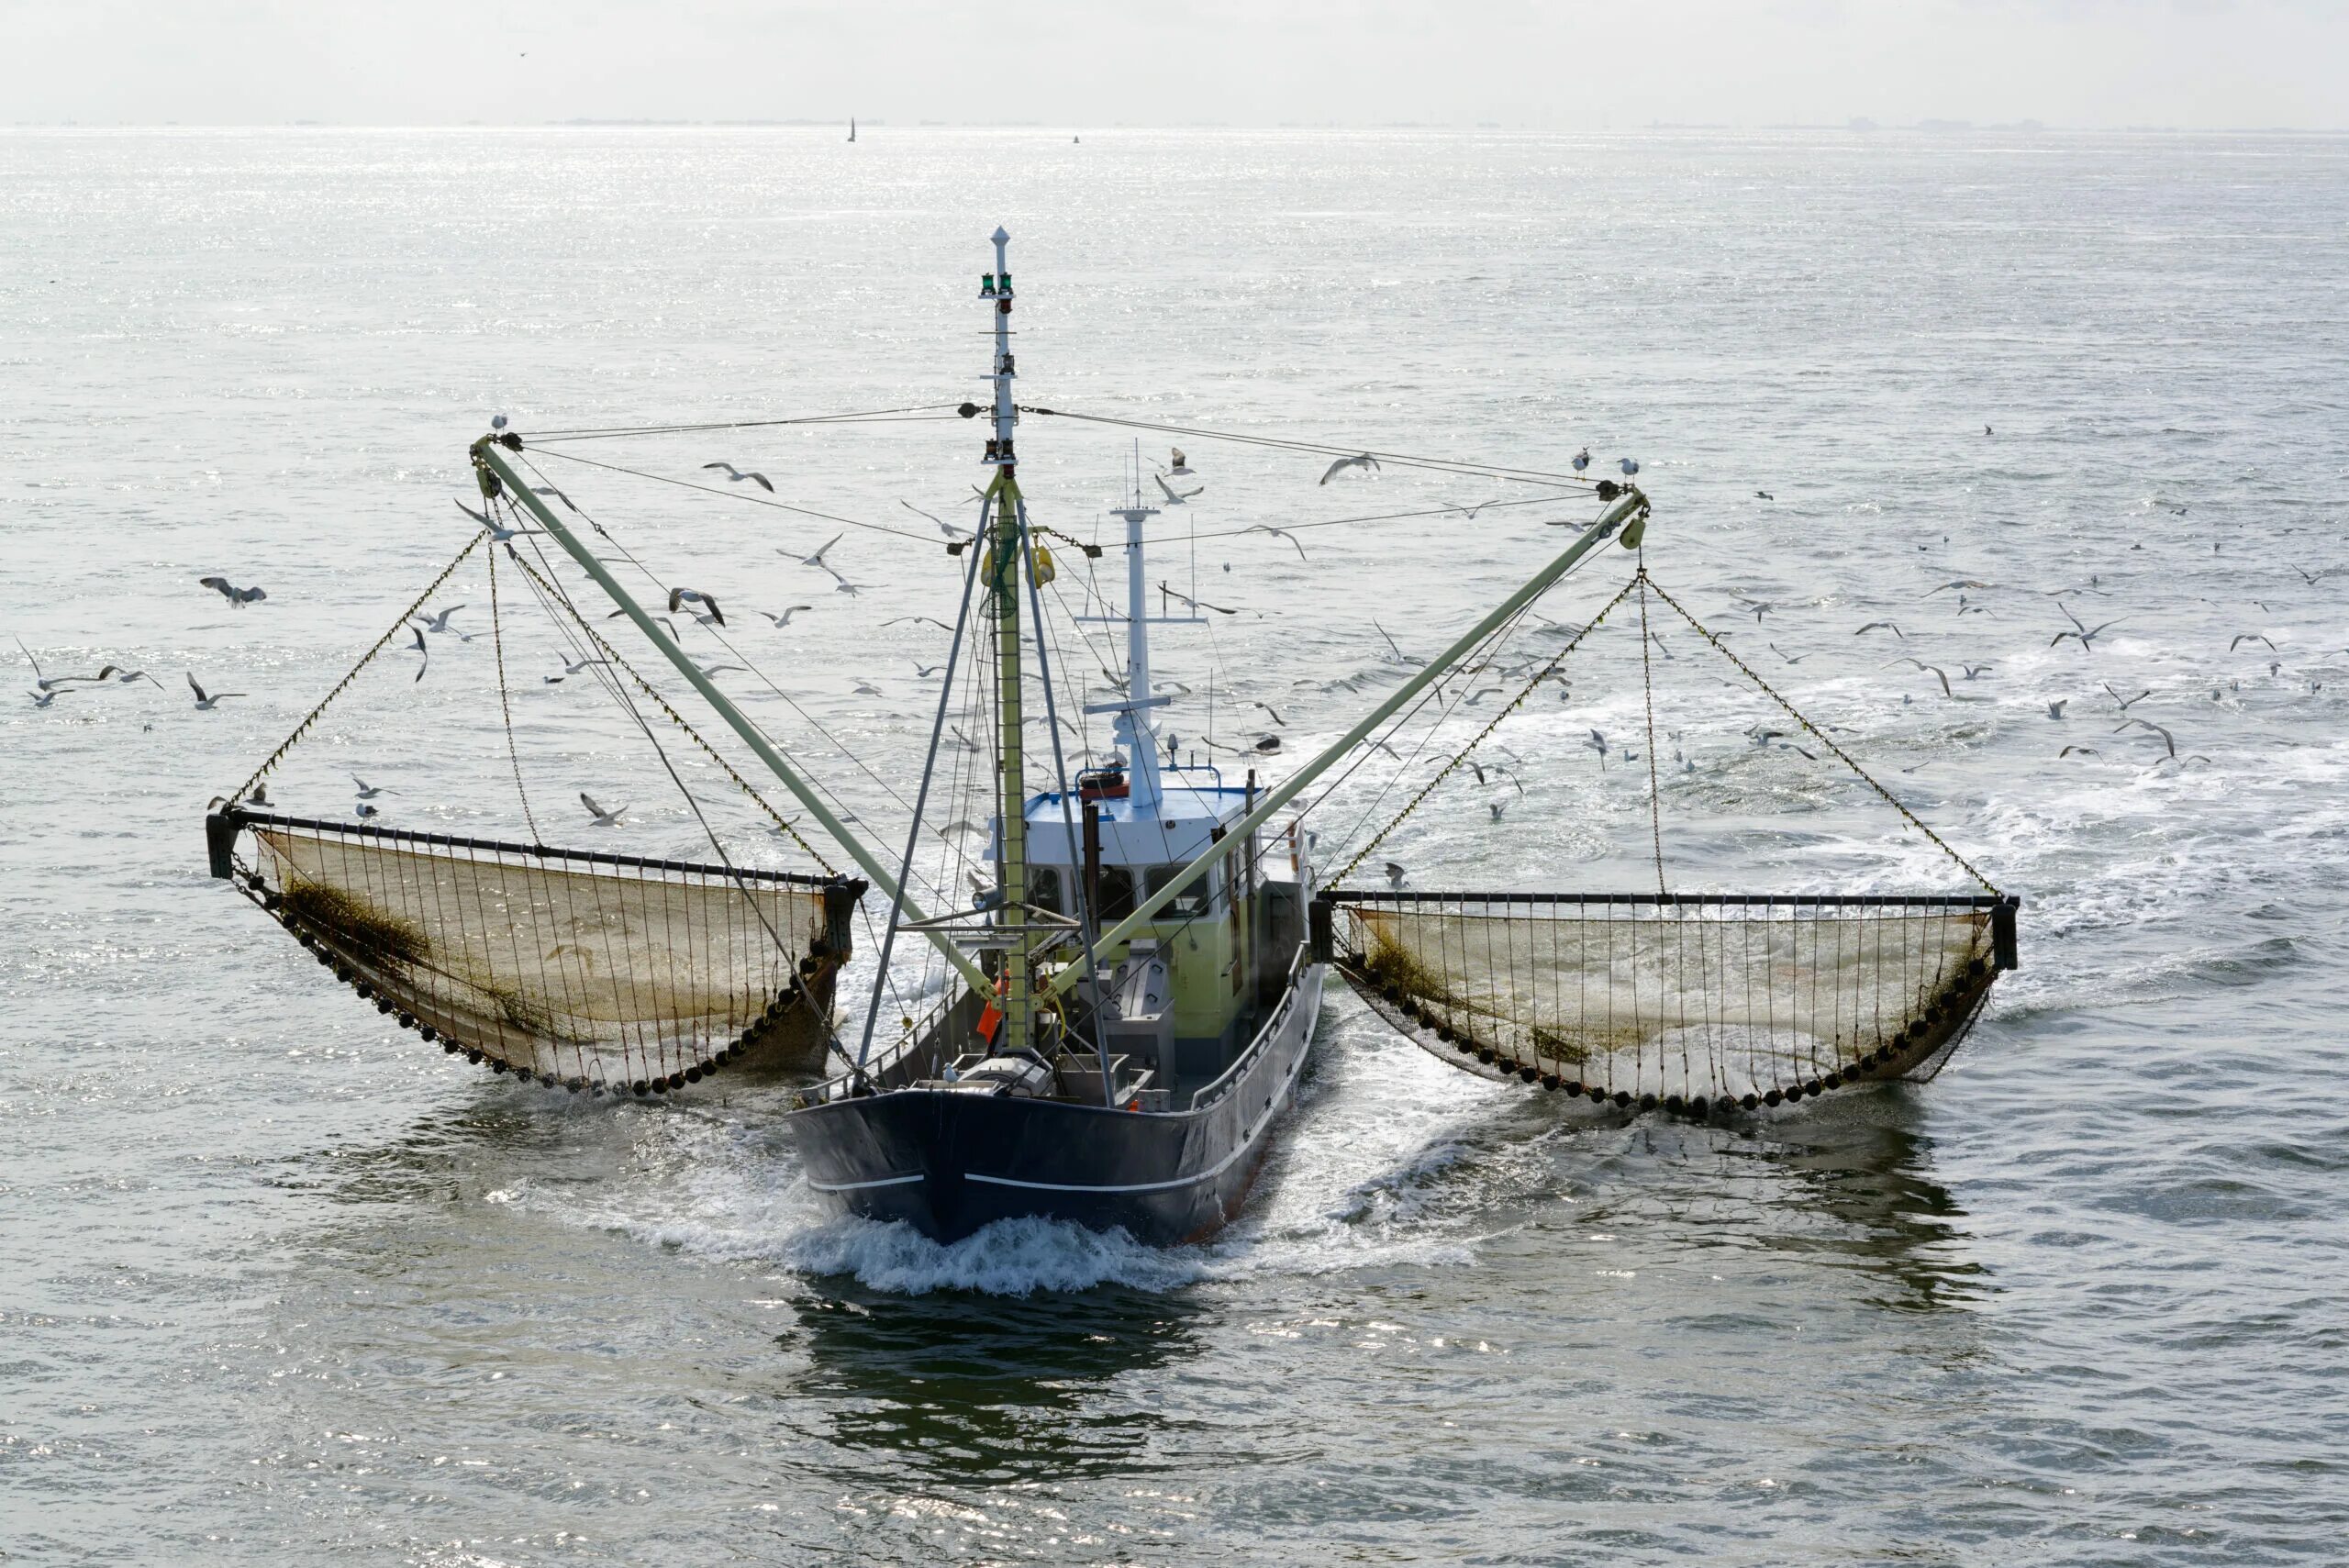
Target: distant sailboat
[{"x": 851, "y": 128}]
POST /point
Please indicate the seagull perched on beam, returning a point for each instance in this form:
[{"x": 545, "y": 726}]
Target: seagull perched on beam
[
  {"x": 1366, "y": 462},
  {"x": 740, "y": 474}
]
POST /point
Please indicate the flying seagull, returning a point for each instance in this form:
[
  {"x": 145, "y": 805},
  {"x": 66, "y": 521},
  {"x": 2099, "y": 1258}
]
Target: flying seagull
[
  {"x": 439, "y": 623},
  {"x": 2085, "y": 636},
  {"x": 1174, "y": 497},
  {"x": 2146, "y": 724},
  {"x": 2242, "y": 638},
  {"x": 817, "y": 560},
  {"x": 368, "y": 791},
  {"x": 551, "y": 490},
  {"x": 418, "y": 632},
  {"x": 238, "y": 596},
  {"x": 1395, "y": 874},
  {"x": 1884, "y": 625},
  {"x": 738, "y": 475},
  {"x": 498, "y": 532},
  {"x": 1366, "y": 462},
  {"x": 205, "y": 701},
  {"x": 1276, "y": 533},
  {"x": 117, "y": 673},
  {"x": 679, "y": 598},
  {"x": 788, "y": 611},
  {"x": 603, "y": 818},
  {"x": 948, "y": 529}
]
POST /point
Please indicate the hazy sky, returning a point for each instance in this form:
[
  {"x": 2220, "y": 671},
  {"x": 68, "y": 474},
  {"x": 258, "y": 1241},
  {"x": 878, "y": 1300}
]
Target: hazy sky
[{"x": 1523, "y": 63}]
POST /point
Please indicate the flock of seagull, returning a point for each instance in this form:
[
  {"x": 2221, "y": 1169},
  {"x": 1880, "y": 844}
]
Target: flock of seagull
[{"x": 704, "y": 608}]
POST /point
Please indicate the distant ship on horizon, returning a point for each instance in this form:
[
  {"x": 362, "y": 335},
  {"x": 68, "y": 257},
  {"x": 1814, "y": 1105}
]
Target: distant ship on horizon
[{"x": 851, "y": 128}]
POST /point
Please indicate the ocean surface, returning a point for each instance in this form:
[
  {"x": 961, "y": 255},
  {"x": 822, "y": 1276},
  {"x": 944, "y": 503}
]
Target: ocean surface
[{"x": 280, "y": 1283}]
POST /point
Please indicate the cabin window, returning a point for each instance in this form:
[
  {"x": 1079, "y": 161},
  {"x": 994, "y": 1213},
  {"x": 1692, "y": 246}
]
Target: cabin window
[
  {"x": 1044, "y": 889},
  {"x": 1116, "y": 895},
  {"x": 1192, "y": 900}
]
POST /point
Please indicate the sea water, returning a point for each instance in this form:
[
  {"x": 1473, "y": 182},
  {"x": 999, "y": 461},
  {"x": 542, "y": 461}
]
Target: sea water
[{"x": 281, "y": 1283}]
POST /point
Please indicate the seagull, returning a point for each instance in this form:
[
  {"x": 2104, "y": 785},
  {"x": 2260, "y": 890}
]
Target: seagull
[
  {"x": 498, "y": 532},
  {"x": 711, "y": 671},
  {"x": 2056, "y": 710},
  {"x": 42, "y": 699},
  {"x": 1278, "y": 721},
  {"x": 1598, "y": 743},
  {"x": 1985, "y": 429},
  {"x": 551, "y": 490},
  {"x": 2125, "y": 702},
  {"x": 1268, "y": 744},
  {"x": 1961, "y": 582},
  {"x": 1276, "y": 533},
  {"x": 845, "y": 586},
  {"x": 439, "y": 623},
  {"x": 867, "y": 689},
  {"x": 1174, "y": 497},
  {"x": 368, "y": 791},
  {"x": 260, "y": 797},
  {"x": 2082, "y": 751},
  {"x": 664, "y": 620},
  {"x": 1182, "y": 464},
  {"x": 738, "y": 475},
  {"x": 817, "y": 560},
  {"x": 205, "y": 701},
  {"x": 679, "y": 598},
  {"x": 1496, "y": 807},
  {"x": 2146, "y": 724},
  {"x": 1789, "y": 658},
  {"x": 2243, "y": 637},
  {"x": 1395, "y": 874},
  {"x": 362, "y": 809},
  {"x": 1884, "y": 625},
  {"x": 1933, "y": 668},
  {"x": 418, "y": 632},
  {"x": 1764, "y": 495},
  {"x": 2311, "y": 578},
  {"x": 1630, "y": 466},
  {"x": 55, "y": 683},
  {"x": 1470, "y": 512},
  {"x": 948, "y": 529},
  {"x": 2086, "y": 637},
  {"x": 924, "y": 671},
  {"x": 1401, "y": 657},
  {"x": 1973, "y": 670},
  {"x": 1365, "y": 463},
  {"x": 238, "y": 596},
  {"x": 788, "y": 611},
  {"x": 1582, "y": 460},
  {"x": 117, "y": 673},
  {"x": 1196, "y": 604},
  {"x": 603, "y": 818}
]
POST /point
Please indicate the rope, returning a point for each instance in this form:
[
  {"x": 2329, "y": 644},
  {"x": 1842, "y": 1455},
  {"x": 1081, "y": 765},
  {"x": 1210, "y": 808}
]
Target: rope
[
  {"x": 380, "y": 643},
  {"x": 675, "y": 718},
  {"x": 607, "y": 432},
  {"x": 1822, "y": 737},
  {"x": 741, "y": 495},
  {"x": 1515, "y": 702},
  {"x": 1400, "y": 460},
  {"x": 1647, "y": 690},
  {"x": 505, "y": 703}
]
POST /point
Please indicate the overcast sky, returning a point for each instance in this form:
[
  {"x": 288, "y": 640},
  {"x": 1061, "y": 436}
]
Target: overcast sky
[{"x": 1522, "y": 64}]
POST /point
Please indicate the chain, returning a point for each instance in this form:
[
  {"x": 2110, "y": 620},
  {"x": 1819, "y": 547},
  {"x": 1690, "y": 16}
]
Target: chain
[
  {"x": 1822, "y": 736},
  {"x": 1647, "y": 690},
  {"x": 505, "y": 705},
  {"x": 556, "y": 596},
  {"x": 1482, "y": 735},
  {"x": 303, "y": 728}
]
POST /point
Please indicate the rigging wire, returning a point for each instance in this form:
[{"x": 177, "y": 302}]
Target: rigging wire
[
  {"x": 751, "y": 664},
  {"x": 504, "y": 703},
  {"x": 870, "y": 415},
  {"x": 730, "y": 494},
  {"x": 1464, "y": 466}
]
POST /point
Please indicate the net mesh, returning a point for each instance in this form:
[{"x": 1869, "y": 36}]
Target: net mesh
[
  {"x": 589, "y": 970},
  {"x": 1679, "y": 1001}
]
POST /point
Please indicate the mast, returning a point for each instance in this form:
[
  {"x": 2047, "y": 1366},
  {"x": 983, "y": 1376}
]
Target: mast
[{"x": 1004, "y": 562}]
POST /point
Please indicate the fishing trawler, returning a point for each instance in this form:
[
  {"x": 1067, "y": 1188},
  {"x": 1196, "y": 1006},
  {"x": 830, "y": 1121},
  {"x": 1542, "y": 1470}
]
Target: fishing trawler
[{"x": 1124, "y": 1005}]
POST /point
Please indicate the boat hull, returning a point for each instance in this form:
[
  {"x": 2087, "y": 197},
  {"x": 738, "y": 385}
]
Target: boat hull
[{"x": 950, "y": 1163}]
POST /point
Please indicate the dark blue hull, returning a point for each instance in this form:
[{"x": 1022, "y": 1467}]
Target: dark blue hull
[{"x": 948, "y": 1162}]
